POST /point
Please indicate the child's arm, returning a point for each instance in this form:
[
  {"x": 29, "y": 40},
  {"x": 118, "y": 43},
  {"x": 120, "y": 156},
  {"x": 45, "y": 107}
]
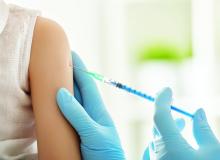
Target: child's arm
[{"x": 49, "y": 70}]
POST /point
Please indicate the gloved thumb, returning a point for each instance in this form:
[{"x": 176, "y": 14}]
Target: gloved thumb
[
  {"x": 201, "y": 129},
  {"x": 163, "y": 119},
  {"x": 74, "y": 112}
]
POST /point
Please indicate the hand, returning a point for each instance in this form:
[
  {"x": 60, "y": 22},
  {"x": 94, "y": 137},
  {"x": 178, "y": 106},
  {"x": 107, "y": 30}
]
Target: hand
[
  {"x": 99, "y": 138},
  {"x": 168, "y": 143}
]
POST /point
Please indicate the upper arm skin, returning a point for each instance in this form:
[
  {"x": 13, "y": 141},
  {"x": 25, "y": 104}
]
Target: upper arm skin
[{"x": 48, "y": 71}]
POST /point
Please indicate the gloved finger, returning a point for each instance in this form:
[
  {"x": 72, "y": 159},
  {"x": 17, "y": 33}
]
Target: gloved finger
[
  {"x": 202, "y": 131},
  {"x": 162, "y": 117},
  {"x": 77, "y": 94},
  {"x": 180, "y": 123},
  {"x": 92, "y": 101},
  {"x": 81, "y": 78},
  {"x": 146, "y": 155},
  {"x": 75, "y": 113}
]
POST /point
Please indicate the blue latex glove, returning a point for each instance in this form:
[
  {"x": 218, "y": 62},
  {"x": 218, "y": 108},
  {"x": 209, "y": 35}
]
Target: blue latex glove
[
  {"x": 180, "y": 123},
  {"x": 168, "y": 143},
  {"x": 99, "y": 138}
]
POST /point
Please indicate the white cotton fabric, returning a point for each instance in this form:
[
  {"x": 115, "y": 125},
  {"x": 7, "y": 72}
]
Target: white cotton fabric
[
  {"x": 4, "y": 10},
  {"x": 17, "y": 125}
]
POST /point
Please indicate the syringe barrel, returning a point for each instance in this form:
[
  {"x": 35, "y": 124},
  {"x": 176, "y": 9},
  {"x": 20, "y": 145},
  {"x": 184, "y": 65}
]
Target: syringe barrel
[{"x": 145, "y": 96}]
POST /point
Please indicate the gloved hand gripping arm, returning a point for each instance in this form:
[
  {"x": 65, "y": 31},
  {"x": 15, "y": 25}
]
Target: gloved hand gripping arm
[{"x": 88, "y": 115}]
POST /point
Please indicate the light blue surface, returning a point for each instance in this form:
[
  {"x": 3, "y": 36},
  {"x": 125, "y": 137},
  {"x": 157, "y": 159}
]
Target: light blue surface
[
  {"x": 88, "y": 115},
  {"x": 168, "y": 143}
]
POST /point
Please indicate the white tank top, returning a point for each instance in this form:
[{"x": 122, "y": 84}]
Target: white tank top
[{"x": 17, "y": 125}]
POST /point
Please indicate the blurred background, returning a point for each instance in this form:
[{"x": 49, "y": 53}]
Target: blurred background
[{"x": 148, "y": 44}]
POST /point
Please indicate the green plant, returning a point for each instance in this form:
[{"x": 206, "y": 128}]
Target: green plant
[{"x": 163, "y": 52}]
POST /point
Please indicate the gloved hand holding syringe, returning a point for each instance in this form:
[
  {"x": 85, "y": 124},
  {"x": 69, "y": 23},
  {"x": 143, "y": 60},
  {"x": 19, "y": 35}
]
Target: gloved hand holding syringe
[{"x": 124, "y": 87}]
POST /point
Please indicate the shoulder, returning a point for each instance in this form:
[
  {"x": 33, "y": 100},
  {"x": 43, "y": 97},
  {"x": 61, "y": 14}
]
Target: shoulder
[
  {"x": 50, "y": 49},
  {"x": 47, "y": 32},
  {"x": 50, "y": 45},
  {"x": 47, "y": 29}
]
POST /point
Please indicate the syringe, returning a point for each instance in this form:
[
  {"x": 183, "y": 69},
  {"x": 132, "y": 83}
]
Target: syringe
[{"x": 131, "y": 90}]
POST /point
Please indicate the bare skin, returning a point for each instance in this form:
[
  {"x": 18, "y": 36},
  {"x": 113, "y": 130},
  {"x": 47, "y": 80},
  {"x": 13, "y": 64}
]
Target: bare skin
[{"x": 48, "y": 71}]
